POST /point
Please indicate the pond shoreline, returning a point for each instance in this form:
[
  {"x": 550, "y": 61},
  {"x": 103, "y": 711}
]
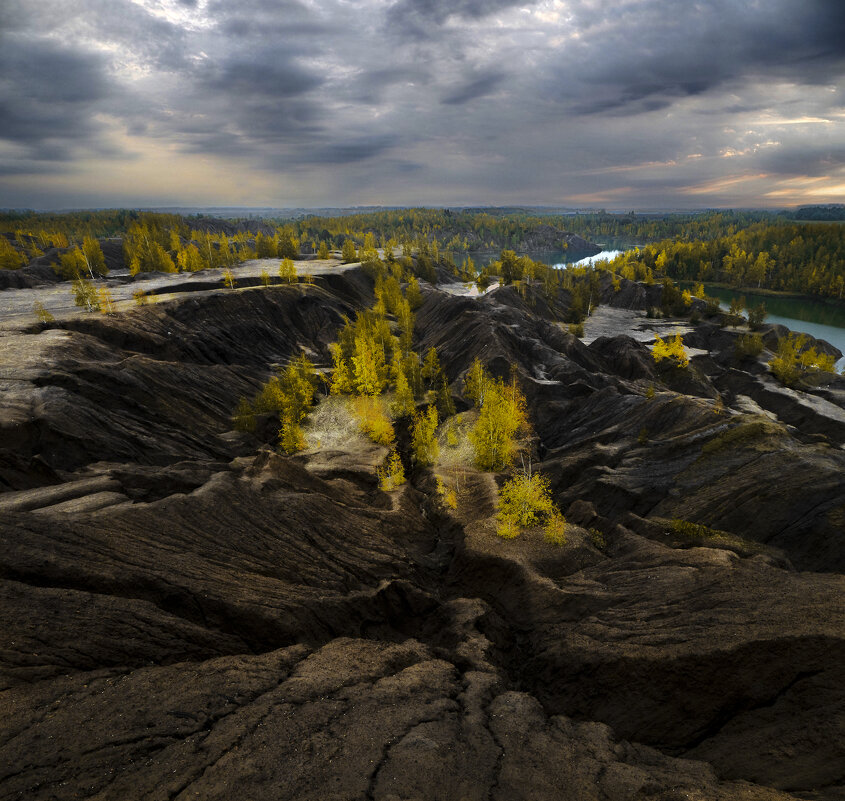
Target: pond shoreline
[{"x": 773, "y": 293}]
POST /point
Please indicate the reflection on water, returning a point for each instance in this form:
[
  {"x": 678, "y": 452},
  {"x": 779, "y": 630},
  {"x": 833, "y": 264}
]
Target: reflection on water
[
  {"x": 817, "y": 318},
  {"x": 605, "y": 255},
  {"x": 554, "y": 258}
]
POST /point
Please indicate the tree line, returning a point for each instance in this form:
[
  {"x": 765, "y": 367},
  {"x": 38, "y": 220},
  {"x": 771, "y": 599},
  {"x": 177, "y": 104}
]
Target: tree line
[
  {"x": 472, "y": 230},
  {"x": 802, "y": 258}
]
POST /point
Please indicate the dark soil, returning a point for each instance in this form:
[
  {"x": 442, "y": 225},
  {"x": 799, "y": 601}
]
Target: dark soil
[{"x": 187, "y": 614}]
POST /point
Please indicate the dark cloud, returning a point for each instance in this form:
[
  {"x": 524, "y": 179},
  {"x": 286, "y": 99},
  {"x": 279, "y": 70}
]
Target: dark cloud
[
  {"x": 268, "y": 74},
  {"x": 222, "y": 9},
  {"x": 287, "y": 22},
  {"x": 353, "y": 150},
  {"x": 806, "y": 160},
  {"x": 588, "y": 99},
  {"x": 48, "y": 97},
  {"x": 425, "y": 12},
  {"x": 49, "y": 73},
  {"x": 9, "y": 167},
  {"x": 370, "y": 86},
  {"x": 478, "y": 87},
  {"x": 682, "y": 50}
]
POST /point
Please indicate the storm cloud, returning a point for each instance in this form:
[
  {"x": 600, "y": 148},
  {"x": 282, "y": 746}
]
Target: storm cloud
[{"x": 632, "y": 104}]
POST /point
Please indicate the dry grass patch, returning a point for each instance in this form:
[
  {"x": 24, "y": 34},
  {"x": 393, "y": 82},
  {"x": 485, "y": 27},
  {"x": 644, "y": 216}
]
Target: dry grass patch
[{"x": 332, "y": 425}]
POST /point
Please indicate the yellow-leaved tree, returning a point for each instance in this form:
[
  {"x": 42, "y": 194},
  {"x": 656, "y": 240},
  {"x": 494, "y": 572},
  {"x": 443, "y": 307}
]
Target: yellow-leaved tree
[
  {"x": 287, "y": 270},
  {"x": 348, "y": 253},
  {"x": 342, "y": 381},
  {"x": 793, "y": 359},
  {"x": 404, "y": 401},
  {"x": 672, "y": 350},
  {"x": 501, "y": 417},
  {"x": 423, "y": 436},
  {"x": 369, "y": 368},
  {"x": 474, "y": 383},
  {"x": 290, "y": 394},
  {"x": 372, "y": 420},
  {"x": 524, "y": 501},
  {"x": 392, "y": 474}
]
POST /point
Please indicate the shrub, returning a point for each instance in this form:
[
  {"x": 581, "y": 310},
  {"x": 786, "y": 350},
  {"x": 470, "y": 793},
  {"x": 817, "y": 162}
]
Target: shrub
[
  {"x": 291, "y": 438},
  {"x": 105, "y": 301},
  {"x": 712, "y": 308},
  {"x": 737, "y": 305},
  {"x": 373, "y": 421},
  {"x": 793, "y": 359},
  {"x": 555, "y": 529},
  {"x": 576, "y": 329},
  {"x": 448, "y": 495},
  {"x": 597, "y": 538},
  {"x": 524, "y": 501},
  {"x": 748, "y": 345},
  {"x": 43, "y": 315},
  {"x": 85, "y": 294},
  {"x": 672, "y": 350},
  {"x": 757, "y": 315},
  {"x": 423, "y": 439},
  {"x": 501, "y": 417},
  {"x": 392, "y": 474},
  {"x": 244, "y": 416},
  {"x": 698, "y": 531},
  {"x": 811, "y": 359}
]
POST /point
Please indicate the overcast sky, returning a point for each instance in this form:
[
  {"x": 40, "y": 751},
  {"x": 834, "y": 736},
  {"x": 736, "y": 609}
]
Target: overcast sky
[{"x": 630, "y": 104}]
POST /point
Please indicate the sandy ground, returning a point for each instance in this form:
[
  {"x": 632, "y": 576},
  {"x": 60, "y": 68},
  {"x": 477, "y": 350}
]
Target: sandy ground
[
  {"x": 16, "y": 305},
  {"x": 609, "y": 322},
  {"x": 468, "y": 290}
]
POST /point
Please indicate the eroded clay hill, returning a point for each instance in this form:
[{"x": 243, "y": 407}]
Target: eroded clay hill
[{"x": 187, "y": 614}]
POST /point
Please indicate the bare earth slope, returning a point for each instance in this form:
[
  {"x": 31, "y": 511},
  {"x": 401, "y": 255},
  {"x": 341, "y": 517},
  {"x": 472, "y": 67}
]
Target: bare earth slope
[{"x": 187, "y": 614}]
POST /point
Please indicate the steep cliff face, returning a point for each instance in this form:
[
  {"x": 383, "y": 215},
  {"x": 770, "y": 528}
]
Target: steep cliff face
[{"x": 188, "y": 614}]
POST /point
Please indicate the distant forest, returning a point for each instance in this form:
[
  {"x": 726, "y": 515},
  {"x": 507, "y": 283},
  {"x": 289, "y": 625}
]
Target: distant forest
[
  {"x": 491, "y": 230},
  {"x": 741, "y": 248},
  {"x": 831, "y": 213},
  {"x": 453, "y": 230},
  {"x": 807, "y": 259}
]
